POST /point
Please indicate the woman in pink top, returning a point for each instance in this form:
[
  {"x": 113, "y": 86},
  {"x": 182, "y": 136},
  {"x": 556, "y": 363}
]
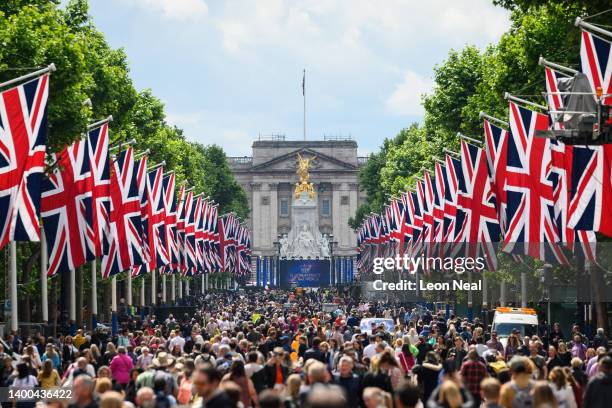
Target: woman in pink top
[{"x": 120, "y": 367}]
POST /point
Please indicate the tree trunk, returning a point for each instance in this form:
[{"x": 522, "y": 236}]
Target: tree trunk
[{"x": 601, "y": 311}]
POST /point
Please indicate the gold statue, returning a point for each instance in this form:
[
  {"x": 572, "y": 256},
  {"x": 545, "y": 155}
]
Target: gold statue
[{"x": 304, "y": 184}]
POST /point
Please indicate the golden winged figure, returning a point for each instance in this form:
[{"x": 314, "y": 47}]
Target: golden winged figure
[{"x": 302, "y": 170}]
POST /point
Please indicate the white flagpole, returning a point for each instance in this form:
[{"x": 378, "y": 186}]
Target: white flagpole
[
  {"x": 128, "y": 297},
  {"x": 164, "y": 299},
  {"x": 72, "y": 313},
  {"x": 143, "y": 300},
  {"x": 304, "y": 94},
  {"x": 49, "y": 68},
  {"x": 153, "y": 289},
  {"x": 43, "y": 276},
  {"x": 114, "y": 321},
  {"x": 13, "y": 285},
  {"x": 94, "y": 294},
  {"x": 173, "y": 292}
]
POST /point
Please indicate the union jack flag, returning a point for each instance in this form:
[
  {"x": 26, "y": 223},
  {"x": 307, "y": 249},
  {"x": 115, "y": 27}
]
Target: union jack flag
[
  {"x": 141, "y": 181},
  {"x": 496, "y": 149},
  {"x": 214, "y": 239},
  {"x": 451, "y": 187},
  {"x": 561, "y": 162},
  {"x": 529, "y": 188},
  {"x": 66, "y": 209},
  {"x": 172, "y": 245},
  {"x": 23, "y": 136},
  {"x": 97, "y": 140},
  {"x": 596, "y": 61},
  {"x": 480, "y": 229},
  {"x": 226, "y": 241},
  {"x": 591, "y": 189},
  {"x": 201, "y": 262},
  {"x": 189, "y": 250},
  {"x": 180, "y": 229},
  {"x": 438, "y": 192},
  {"x": 154, "y": 221},
  {"x": 125, "y": 228}
]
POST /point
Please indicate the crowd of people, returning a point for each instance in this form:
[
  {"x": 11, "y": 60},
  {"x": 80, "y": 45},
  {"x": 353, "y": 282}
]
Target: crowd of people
[{"x": 291, "y": 349}]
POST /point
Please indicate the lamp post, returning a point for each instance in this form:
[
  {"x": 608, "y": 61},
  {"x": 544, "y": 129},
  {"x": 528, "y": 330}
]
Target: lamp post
[{"x": 277, "y": 245}]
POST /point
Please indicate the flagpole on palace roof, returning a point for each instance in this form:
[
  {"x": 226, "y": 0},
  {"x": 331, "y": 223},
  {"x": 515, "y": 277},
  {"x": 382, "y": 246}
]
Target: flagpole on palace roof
[{"x": 304, "y": 95}]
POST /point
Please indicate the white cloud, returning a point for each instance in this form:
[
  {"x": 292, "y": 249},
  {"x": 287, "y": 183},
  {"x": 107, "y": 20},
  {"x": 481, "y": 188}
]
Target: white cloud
[
  {"x": 182, "y": 10},
  {"x": 406, "y": 97}
]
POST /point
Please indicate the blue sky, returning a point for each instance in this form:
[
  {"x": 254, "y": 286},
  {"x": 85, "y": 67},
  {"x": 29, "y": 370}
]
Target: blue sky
[{"x": 229, "y": 70}]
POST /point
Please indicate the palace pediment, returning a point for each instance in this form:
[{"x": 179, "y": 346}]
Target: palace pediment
[{"x": 288, "y": 162}]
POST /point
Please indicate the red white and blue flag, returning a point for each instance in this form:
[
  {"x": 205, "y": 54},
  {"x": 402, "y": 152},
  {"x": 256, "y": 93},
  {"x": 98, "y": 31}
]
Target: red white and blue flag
[
  {"x": 97, "y": 141},
  {"x": 531, "y": 228},
  {"x": 125, "y": 234},
  {"x": 23, "y": 136},
  {"x": 66, "y": 209},
  {"x": 596, "y": 61},
  {"x": 480, "y": 229}
]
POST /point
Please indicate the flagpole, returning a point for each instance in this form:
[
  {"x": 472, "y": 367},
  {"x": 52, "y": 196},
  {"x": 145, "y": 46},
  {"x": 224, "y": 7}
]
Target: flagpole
[
  {"x": 590, "y": 27},
  {"x": 13, "y": 285},
  {"x": 153, "y": 294},
  {"x": 94, "y": 295},
  {"x": 128, "y": 298},
  {"x": 43, "y": 276},
  {"x": 72, "y": 311},
  {"x": 304, "y": 94},
  {"x": 164, "y": 288},
  {"x": 114, "y": 321},
  {"x": 143, "y": 301},
  {"x": 173, "y": 292},
  {"x": 49, "y": 68}
]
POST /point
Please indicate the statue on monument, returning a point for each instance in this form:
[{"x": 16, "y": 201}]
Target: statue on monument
[
  {"x": 325, "y": 246},
  {"x": 305, "y": 244},
  {"x": 304, "y": 185},
  {"x": 284, "y": 246}
]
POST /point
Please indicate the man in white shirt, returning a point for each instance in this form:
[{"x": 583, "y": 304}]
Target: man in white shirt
[
  {"x": 370, "y": 350},
  {"x": 176, "y": 341}
]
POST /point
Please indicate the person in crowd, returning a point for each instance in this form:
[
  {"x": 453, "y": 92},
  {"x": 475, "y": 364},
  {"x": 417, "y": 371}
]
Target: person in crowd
[
  {"x": 235, "y": 348},
  {"x": 473, "y": 371},
  {"x": 598, "y": 391},
  {"x": 564, "y": 394},
  {"x": 489, "y": 393},
  {"x": 121, "y": 366},
  {"x": 48, "y": 377},
  {"x": 83, "y": 393},
  {"x": 543, "y": 396}
]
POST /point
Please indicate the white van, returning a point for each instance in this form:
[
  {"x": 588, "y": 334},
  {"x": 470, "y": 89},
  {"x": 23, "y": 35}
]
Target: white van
[
  {"x": 366, "y": 324},
  {"x": 506, "y": 319}
]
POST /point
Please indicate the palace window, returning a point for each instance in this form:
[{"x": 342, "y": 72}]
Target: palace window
[
  {"x": 325, "y": 207},
  {"x": 284, "y": 207}
]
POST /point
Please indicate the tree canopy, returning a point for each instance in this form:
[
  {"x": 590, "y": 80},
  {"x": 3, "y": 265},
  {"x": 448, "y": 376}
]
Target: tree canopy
[
  {"x": 470, "y": 81},
  {"x": 35, "y": 33}
]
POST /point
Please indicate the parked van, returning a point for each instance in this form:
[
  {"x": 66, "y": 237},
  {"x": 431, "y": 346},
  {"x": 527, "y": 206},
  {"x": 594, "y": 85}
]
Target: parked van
[{"x": 506, "y": 319}]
